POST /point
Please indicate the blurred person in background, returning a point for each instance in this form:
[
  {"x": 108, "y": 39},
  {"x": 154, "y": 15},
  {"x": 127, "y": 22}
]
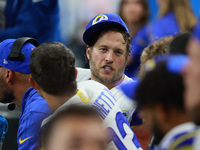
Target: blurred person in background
[
  {"x": 154, "y": 50},
  {"x": 164, "y": 46},
  {"x": 135, "y": 13},
  {"x": 192, "y": 77},
  {"x": 75, "y": 127},
  {"x": 31, "y": 18},
  {"x": 192, "y": 81},
  {"x": 162, "y": 105},
  {"x": 169, "y": 22}
]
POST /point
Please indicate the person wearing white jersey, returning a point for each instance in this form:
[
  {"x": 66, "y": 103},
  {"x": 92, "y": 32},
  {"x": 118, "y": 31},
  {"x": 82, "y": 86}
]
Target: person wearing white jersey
[
  {"x": 53, "y": 75},
  {"x": 126, "y": 105},
  {"x": 108, "y": 46}
]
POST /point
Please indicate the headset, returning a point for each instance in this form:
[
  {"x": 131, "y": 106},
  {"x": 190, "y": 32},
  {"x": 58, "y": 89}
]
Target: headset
[{"x": 15, "y": 53}]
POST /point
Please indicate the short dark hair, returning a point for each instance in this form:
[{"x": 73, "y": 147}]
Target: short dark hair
[
  {"x": 83, "y": 111},
  {"x": 159, "y": 86},
  {"x": 126, "y": 36},
  {"x": 53, "y": 68},
  {"x": 179, "y": 43}
]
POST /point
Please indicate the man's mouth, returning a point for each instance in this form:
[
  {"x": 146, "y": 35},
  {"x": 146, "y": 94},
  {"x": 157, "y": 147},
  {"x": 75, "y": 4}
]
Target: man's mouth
[{"x": 108, "y": 68}]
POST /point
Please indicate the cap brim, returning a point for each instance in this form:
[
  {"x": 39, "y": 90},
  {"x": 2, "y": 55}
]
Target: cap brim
[
  {"x": 129, "y": 88},
  {"x": 177, "y": 63}
]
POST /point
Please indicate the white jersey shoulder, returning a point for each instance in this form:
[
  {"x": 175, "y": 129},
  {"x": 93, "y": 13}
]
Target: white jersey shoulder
[
  {"x": 83, "y": 74},
  {"x": 98, "y": 96},
  {"x": 196, "y": 143},
  {"x": 180, "y": 137},
  {"x": 126, "y": 105}
]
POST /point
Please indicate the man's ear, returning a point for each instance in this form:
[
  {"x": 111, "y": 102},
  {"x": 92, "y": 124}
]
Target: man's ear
[
  {"x": 76, "y": 73},
  {"x": 33, "y": 83},
  {"x": 162, "y": 113},
  {"x": 9, "y": 76},
  {"x": 88, "y": 52}
]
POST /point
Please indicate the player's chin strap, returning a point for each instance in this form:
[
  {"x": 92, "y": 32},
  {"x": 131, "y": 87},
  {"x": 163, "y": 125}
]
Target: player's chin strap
[{"x": 3, "y": 129}]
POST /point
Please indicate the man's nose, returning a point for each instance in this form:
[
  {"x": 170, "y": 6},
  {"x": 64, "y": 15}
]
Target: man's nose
[{"x": 109, "y": 57}]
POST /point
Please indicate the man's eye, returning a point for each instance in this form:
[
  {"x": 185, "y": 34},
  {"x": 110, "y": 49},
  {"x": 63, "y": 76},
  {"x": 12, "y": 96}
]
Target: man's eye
[
  {"x": 103, "y": 49},
  {"x": 118, "y": 52}
]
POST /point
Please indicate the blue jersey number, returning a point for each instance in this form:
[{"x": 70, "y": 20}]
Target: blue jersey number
[{"x": 123, "y": 128}]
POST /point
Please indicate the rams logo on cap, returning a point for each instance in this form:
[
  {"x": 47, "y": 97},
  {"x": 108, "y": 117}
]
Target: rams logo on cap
[{"x": 99, "y": 18}]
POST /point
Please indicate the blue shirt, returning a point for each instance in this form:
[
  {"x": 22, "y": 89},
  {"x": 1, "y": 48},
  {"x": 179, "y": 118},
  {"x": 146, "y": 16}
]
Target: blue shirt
[
  {"x": 34, "y": 110},
  {"x": 162, "y": 27},
  {"x": 33, "y": 18}
]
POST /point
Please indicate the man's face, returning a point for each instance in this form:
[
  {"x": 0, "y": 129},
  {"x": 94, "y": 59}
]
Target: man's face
[
  {"x": 153, "y": 122},
  {"x": 108, "y": 58},
  {"x": 149, "y": 114},
  {"x": 6, "y": 95},
  {"x": 192, "y": 81},
  {"x": 77, "y": 133}
]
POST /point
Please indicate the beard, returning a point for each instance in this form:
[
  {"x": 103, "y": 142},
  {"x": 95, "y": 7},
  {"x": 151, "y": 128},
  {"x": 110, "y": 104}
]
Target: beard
[
  {"x": 157, "y": 133},
  {"x": 6, "y": 95},
  {"x": 95, "y": 72},
  {"x": 194, "y": 114}
]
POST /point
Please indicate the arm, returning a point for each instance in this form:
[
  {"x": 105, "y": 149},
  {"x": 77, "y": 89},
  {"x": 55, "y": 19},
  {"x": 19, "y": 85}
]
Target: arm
[{"x": 28, "y": 135}]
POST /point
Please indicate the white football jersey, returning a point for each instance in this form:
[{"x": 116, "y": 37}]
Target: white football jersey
[
  {"x": 196, "y": 144},
  {"x": 180, "y": 137},
  {"x": 98, "y": 96},
  {"x": 126, "y": 105}
]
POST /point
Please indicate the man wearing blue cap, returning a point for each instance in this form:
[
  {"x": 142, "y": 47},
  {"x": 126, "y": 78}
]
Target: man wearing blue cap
[
  {"x": 15, "y": 87},
  {"x": 108, "y": 46}
]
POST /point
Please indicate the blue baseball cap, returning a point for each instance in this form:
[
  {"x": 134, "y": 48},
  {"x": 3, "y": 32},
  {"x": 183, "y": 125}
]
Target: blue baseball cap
[
  {"x": 100, "y": 22},
  {"x": 16, "y": 65},
  {"x": 177, "y": 63},
  {"x": 129, "y": 88}
]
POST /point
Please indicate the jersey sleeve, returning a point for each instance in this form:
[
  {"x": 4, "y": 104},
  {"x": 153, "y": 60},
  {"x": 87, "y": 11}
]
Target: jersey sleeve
[{"x": 29, "y": 130}]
